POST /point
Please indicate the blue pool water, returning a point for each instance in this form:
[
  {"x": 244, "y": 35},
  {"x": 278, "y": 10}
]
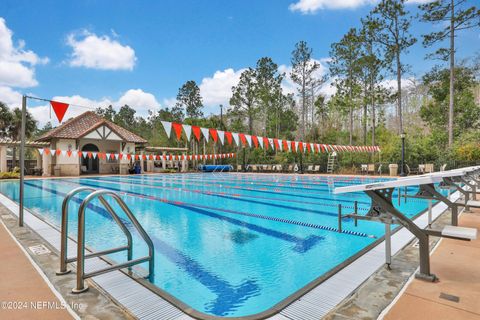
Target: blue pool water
[{"x": 225, "y": 244}]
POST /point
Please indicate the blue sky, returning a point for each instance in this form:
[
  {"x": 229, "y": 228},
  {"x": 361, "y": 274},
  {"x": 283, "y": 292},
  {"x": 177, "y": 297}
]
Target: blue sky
[{"x": 141, "y": 52}]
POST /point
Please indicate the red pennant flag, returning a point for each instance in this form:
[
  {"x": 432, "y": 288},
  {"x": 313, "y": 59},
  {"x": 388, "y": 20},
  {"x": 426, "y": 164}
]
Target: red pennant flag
[
  {"x": 129, "y": 156},
  {"x": 309, "y": 149},
  {"x": 242, "y": 138},
  {"x": 69, "y": 153},
  {"x": 285, "y": 145},
  {"x": 214, "y": 134},
  {"x": 79, "y": 153},
  {"x": 60, "y": 109},
  {"x": 89, "y": 155},
  {"x": 47, "y": 151},
  {"x": 276, "y": 144},
  {"x": 177, "y": 127},
  {"x": 120, "y": 156},
  {"x": 228, "y": 135},
  {"x": 265, "y": 143},
  {"x": 292, "y": 145},
  {"x": 196, "y": 132},
  {"x": 255, "y": 141},
  {"x": 58, "y": 152},
  {"x": 170, "y": 157}
]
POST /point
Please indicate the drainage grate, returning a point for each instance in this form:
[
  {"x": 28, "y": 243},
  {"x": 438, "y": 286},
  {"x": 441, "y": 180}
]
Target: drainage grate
[
  {"x": 39, "y": 249},
  {"x": 449, "y": 297}
]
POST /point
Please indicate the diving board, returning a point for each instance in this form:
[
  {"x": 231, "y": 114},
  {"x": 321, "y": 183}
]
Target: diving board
[{"x": 383, "y": 210}]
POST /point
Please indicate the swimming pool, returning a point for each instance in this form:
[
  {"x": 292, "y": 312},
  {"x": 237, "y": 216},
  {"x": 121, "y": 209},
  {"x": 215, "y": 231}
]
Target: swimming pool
[{"x": 226, "y": 245}]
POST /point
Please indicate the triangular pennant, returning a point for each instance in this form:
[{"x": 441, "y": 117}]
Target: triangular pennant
[
  {"x": 260, "y": 141},
  {"x": 242, "y": 138},
  {"x": 129, "y": 156},
  {"x": 177, "y": 127},
  {"x": 168, "y": 127},
  {"x": 309, "y": 148},
  {"x": 228, "y": 135},
  {"x": 117, "y": 156},
  {"x": 276, "y": 144},
  {"x": 40, "y": 150},
  {"x": 63, "y": 153},
  {"x": 196, "y": 132},
  {"x": 213, "y": 133},
  {"x": 80, "y": 153},
  {"x": 47, "y": 151},
  {"x": 280, "y": 145},
  {"x": 69, "y": 153},
  {"x": 255, "y": 141},
  {"x": 188, "y": 131},
  {"x": 235, "y": 137},
  {"x": 205, "y": 133},
  {"x": 270, "y": 141},
  {"x": 221, "y": 136},
  {"x": 58, "y": 152},
  {"x": 265, "y": 142},
  {"x": 285, "y": 145},
  {"x": 60, "y": 109},
  {"x": 249, "y": 139}
]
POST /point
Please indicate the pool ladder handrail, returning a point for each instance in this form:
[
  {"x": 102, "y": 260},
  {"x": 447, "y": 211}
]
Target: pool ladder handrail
[{"x": 81, "y": 256}]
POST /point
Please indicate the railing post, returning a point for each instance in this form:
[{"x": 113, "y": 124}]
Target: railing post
[
  {"x": 355, "y": 211},
  {"x": 340, "y": 218},
  {"x": 81, "y": 251},
  {"x": 388, "y": 245}
]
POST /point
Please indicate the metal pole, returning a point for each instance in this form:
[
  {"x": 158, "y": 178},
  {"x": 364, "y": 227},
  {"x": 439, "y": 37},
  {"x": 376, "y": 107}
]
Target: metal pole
[
  {"x": 388, "y": 245},
  {"x": 355, "y": 207},
  {"x": 22, "y": 160},
  {"x": 429, "y": 213},
  {"x": 340, "y": 218}
]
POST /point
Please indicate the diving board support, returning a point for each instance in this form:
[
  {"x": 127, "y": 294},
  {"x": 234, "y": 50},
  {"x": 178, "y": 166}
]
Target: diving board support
[
  {"x": 382, "y": 201},
  {"x": 388, "y": 245}
]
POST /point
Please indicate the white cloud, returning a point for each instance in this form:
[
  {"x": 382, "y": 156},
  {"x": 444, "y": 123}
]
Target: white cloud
[
  {"x": 139, "y": 100},
  {"x": 100, "y": 52},
  {"x": 312, "y": 6},
  {"x": 217, "y": 90},
  {"x": 10, "y": 97},
  {"x": 16, "y": 63}
]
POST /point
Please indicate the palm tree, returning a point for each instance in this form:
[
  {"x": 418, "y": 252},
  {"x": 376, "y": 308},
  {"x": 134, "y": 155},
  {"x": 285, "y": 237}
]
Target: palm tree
[{"x": 15, "y": 127}]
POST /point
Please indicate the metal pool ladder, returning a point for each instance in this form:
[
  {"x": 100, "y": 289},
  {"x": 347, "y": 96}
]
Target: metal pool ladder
[{"x": 81, "y": 256}]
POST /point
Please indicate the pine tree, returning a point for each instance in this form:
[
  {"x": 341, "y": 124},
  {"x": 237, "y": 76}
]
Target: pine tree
[{"x": 458, "y": 18}]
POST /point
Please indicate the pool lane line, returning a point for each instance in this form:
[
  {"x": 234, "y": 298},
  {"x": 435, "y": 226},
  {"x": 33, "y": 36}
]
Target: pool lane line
[
  {"x": 227, "y": 294},
  {"x": 236, "y": 197},
  {"x": 263, "y": 190},
  {"x": 290, "y": 181},
  {"x": 218, "y": 216},
  {"x": 276, "y": 185}
]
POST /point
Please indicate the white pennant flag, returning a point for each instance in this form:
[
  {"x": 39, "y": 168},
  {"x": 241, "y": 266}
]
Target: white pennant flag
[
  {"x": 168, "y": 127},
  {"x": 249, "y": 139},
  {"x": 205, "y": 133},
  {"x": 296, "y": 145},
  {"x": 221, "y": 135},
  {"x": 289, "y": 145},
  {"x": 94, "y": 154},
  {"x": 85, "y": 154},
  {"x": 260, "y": 141},
  {"x": 235, "y": 137},
  {"x": 188, "y": 130},
  {"x": 64, "y": 153},
  {"x": 116, "y": 156},
  {"x": 280, "y": 144},
  {"x": 41, "y": 151},
  {"x": 312, "y": 148},
  {"x": 270, "y": 140}
]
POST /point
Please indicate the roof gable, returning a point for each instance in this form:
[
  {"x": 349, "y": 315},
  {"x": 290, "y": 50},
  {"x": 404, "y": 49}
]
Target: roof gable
[{"x": 88, "y": 122}]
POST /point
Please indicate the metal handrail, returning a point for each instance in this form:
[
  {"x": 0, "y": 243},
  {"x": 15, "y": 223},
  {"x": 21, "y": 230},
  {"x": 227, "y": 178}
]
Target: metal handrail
[
  {"x": 64, "y": 232},
  {"x": 81, "y": 275}
]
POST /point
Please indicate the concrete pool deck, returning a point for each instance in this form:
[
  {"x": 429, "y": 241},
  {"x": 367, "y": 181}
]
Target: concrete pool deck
[
  {"x": 23, "y": 297},
  {"x": 457, "y": 293}
]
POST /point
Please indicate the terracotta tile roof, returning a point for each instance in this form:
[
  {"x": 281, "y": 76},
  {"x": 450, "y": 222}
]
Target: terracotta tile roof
[{"x": 79, "y": 126}]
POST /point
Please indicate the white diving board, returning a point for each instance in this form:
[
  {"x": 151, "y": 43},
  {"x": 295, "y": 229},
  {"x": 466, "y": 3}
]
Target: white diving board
[{"x": 404, "y": 182}]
